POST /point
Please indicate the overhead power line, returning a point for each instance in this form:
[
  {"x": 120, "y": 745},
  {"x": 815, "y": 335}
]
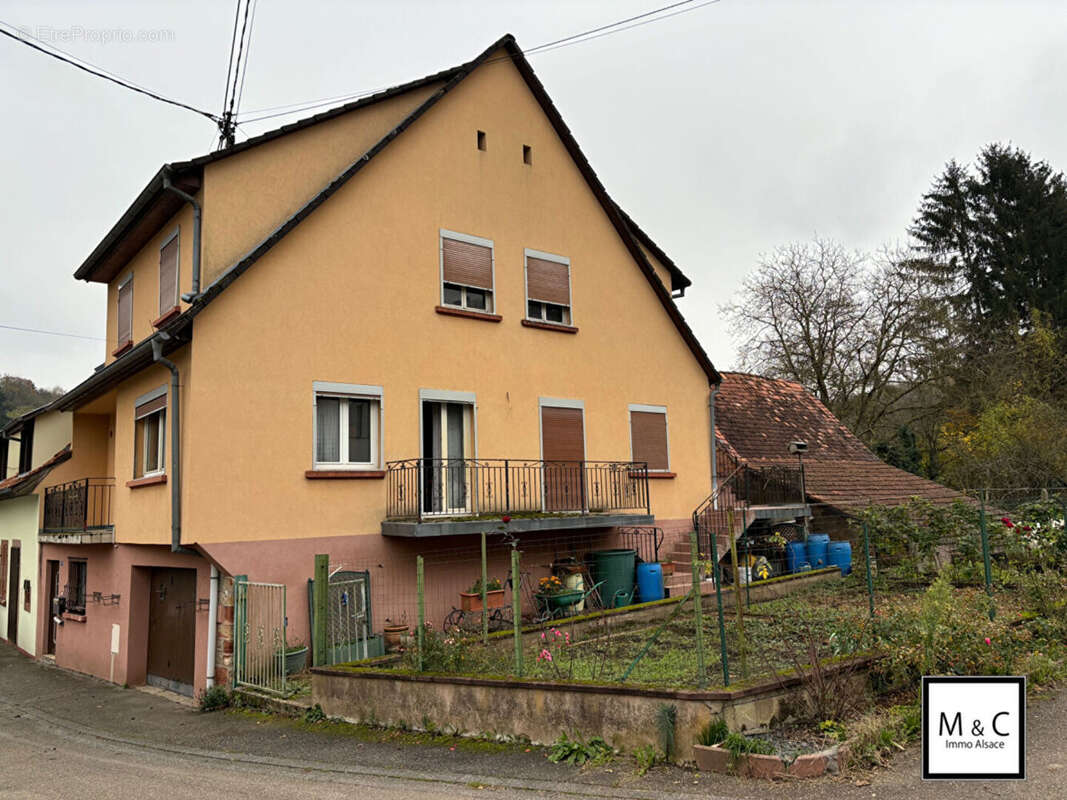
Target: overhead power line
[
  {"x": 52, "y": 333},
  {"x": 648, "y": 17},
  {"x": 236, "y": 71},
  {"x": 85, "y": 66}
]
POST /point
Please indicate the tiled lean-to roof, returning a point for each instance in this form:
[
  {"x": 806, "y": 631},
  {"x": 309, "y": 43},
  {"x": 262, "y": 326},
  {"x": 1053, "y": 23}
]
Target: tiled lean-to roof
[{"x": 756, "y": 418}]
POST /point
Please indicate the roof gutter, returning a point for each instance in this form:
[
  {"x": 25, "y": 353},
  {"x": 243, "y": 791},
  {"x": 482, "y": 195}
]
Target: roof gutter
[
  {"x": 188, "y": 297},
  {"x": 175, "y": 478},
  {"x": 714, "y": 453}
]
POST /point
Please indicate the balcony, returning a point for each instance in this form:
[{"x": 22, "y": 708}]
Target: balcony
[
  {"x": 79, "y": 512},
  {"x": 437, "y": 497}
]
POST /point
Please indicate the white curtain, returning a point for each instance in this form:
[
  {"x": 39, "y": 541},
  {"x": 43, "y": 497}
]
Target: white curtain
[{"x": 328, "y": 429}]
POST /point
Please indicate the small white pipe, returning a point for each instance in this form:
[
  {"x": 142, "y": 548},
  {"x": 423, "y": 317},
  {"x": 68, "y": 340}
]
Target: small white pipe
[{"x": 212, "y": 625}]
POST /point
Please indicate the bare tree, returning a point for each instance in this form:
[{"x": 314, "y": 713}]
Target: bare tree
[{"x": 852, "y": 327}]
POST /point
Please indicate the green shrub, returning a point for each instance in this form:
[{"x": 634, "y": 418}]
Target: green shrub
[
  {"x": 314, "y": 714},
  {"x": 740, "y": 745},
  {"x": 647, "y": 757},
  {"x": 215, "y": 699},
  {"x": 576, "y": 752},
  {"x": 713, "y": 732}
]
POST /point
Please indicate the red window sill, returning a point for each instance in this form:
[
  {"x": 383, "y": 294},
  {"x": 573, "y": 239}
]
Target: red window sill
[
  {"x": 462, "y": 312},
  {"x": 152, "y": 480},
  {"x": 653, "y": 475},
  {"x": 166, "y": 317},
  {"x": 73, "y": 617},
  {"x": 122, "y": 348},
  {"x": 365, "y": 474},
  {"x": 549, "y": 326}
]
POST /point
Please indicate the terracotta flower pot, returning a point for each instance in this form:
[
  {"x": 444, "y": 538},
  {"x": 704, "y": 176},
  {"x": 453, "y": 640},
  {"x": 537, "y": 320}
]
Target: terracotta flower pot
[
  {"x": 667, "y": 567},
  {"x": 472, "y": 601},
  {"x": 394, "y": 637}
]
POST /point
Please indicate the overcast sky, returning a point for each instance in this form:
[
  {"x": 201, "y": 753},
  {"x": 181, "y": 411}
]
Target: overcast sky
[{"x": 724, "y": 132}]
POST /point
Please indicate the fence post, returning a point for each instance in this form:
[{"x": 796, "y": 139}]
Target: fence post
[
  {"x": 240, "y": 614},
  {"x": 485, "y": 580},
  {"x": 516, "y": 610},
  {"x": 988, "y": 565},
  {"x": 737, "y": 593},
  {"x": 320, "y": 592},
  {"x": 420, "y": 590},
  {"x": 748, "y": 581},
  {"x": 698, "y": 610},
  {"x": 867, "y": 558}
]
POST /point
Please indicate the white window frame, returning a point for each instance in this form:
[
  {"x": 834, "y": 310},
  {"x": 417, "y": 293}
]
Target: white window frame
[
  {"x": 666, "y": 429},
  {"x": 568, "y": 317},
  {"x": 349, "y": 391},
  {"x": 158, "y": 417},
  {"x": 490, "y": 294},
  {"x": 175, "y": 234}
]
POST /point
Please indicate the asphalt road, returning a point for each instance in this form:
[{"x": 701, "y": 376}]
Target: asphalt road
[{"x": 67, "y": 736}]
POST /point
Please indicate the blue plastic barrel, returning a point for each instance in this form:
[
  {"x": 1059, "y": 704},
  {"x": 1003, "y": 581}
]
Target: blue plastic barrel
[
  {"x": 796, "y": 553},
  {"x": 839, "y": 554},
  {"x": 649, "y": 582},
  {"x": 817, "y": 544}
]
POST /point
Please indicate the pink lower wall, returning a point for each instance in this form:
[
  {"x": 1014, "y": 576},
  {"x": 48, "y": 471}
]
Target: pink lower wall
[
  {"x": 85, "y": 646},
  {"x": 451, "y": 565}
]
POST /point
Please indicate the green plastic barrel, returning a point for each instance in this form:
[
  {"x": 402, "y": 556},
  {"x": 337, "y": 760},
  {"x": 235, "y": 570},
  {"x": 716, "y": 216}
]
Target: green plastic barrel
[{"x": 616, "y": 569}]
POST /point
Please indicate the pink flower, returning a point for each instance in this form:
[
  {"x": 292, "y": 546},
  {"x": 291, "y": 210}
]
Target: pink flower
[
  {"x": 988, "y": 640},
  {"x": 1007, "y": 522},
  {"x": 544, "y": 655},
  {"x": 567, "y": 638},
  {"x": 542, "y": 636},
  {"x": 555, "y": 631}
]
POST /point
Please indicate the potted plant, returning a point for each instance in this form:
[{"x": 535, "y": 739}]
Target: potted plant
[
  {"x": 553, "y": 595},
  {"x": 293, "y": 659},
  {"x": 494, "y": 595},
  {"x": 667, "y": 567},
  {"x": 395, "y": 633}
]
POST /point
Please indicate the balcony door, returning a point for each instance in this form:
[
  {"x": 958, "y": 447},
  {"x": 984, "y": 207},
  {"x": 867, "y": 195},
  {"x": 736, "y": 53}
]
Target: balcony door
[
  {"x": 447, "y": 447},
  {"x": 563, "y": 453}
]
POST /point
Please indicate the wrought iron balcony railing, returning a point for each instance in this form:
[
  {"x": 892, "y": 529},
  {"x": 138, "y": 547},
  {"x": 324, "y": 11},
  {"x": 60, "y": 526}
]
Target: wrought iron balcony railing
[
  {"x": 421, "y": 488},
  {"x": 80, "y": 505}
]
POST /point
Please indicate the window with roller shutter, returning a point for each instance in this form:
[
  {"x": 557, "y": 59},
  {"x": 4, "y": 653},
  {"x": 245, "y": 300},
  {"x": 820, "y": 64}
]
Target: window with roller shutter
[
  {"x": 168, "y": 275},
  {"x": 548, "y": 288},
  {"x": 648, "y": 437},
  {"x": 466, "y": 272}
]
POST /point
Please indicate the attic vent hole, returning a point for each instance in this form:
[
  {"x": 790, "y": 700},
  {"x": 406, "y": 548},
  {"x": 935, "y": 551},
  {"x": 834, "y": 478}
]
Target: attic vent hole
[
  {"x": 481, "y": 140},
  {"x": 527, "y": 154}
]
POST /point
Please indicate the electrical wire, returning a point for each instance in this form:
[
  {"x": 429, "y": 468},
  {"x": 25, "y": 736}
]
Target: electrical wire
[
  {"x": 646, "y": 18},
  {"x": 52, "y": 333},
  {"x": 237, "y": 65},
  {"x": 99, "y": 73},
  {"x": 229, "y": 62},
  {"x": 248, "y": 49}
]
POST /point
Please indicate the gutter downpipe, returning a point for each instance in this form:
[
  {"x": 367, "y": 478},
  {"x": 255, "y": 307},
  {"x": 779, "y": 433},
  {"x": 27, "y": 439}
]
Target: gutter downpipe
[
  {"x": 175, "y": 444},
  {"x": 714, "y": 464},
  {"x": 212, "y": 625},
  {"x": 190, "y": 296}
]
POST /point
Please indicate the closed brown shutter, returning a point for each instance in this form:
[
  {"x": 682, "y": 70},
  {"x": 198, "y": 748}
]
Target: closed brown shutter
[
  {"x": 467, "y": 264},
  {"x": 168, "y": 276},
  {"x": 562, "y": 435},
  {"x": 150, "y": 407},
  {"x": 648, "y": 433},
  {"x": 548, "y": 281},
  {"x": 125, "y": 313}
]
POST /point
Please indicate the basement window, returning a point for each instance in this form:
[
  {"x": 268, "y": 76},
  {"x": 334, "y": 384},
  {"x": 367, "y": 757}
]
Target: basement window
[
  {"x": 527, "y": 154},
  {"x": 76, "y": 575},
  {"x": 481, "y": 140}
]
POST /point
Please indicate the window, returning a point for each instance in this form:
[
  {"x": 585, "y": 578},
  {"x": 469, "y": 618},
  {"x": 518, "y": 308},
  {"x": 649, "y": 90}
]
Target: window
[
  {"x": 481, "y": 140},
  {"x": 124, "y": 317},
  {"x": 3, "y": 572},
  {"x": 466, "y": 272},
  {"x": 527, "y": 154},
  {"x": 648, "y": 437},
  {"x": 5, "y": 445},
  {"x": 168, "y": 275},
  {"x": 76, "y": 572},
  {"x": 548, "y": 288},
  {"x": 347, "y": 426},
  {"x": 26, "y": 447},
  {"x": 149, "y": 435}
]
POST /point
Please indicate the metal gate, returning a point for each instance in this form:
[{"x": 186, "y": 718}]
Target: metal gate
[
  {"x": 347, "y": 617},
  {"x": 259, "y": 635}
]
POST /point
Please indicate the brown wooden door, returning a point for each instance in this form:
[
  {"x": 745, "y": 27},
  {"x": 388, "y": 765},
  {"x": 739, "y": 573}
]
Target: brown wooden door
[
  {"x": 563, "y": 451},
  {"x": 172, "y": 628},
  {"x": 53, "y": 593},
  {"x": 13, "y": 595}
]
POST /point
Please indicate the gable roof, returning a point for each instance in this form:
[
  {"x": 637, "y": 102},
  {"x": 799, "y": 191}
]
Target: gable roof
[
  {"x": 26, "y": 482},
  {"x": 756, "y": 418},
  {"x": 626, "y": 229}
]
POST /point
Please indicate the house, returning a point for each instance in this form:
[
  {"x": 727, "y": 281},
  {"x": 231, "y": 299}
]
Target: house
[
  {"x": 371, "y": 334},
  {"x": 756, "y": 420}
]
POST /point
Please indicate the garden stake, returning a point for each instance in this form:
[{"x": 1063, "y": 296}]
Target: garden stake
[
  {"x": 748, "y": 582},
  {"x": 737, "y": 594},
  {"x": 420, "y": 588},
  {"x": 698, "y": 611},
  {"x": 652, "y": 639},
  {"x": 485, "y": 578},
  {"x": 715, "y": 576},
  {"x": 988, "y": 565},
  {"x": 320, "y": 591},
  {"x": 516, "y": 610},
  {"x": 867, "y": 557}
]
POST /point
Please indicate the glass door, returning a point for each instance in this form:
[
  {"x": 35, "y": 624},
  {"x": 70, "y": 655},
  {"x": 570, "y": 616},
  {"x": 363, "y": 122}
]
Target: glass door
[{"x": 446, "y": 450}]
